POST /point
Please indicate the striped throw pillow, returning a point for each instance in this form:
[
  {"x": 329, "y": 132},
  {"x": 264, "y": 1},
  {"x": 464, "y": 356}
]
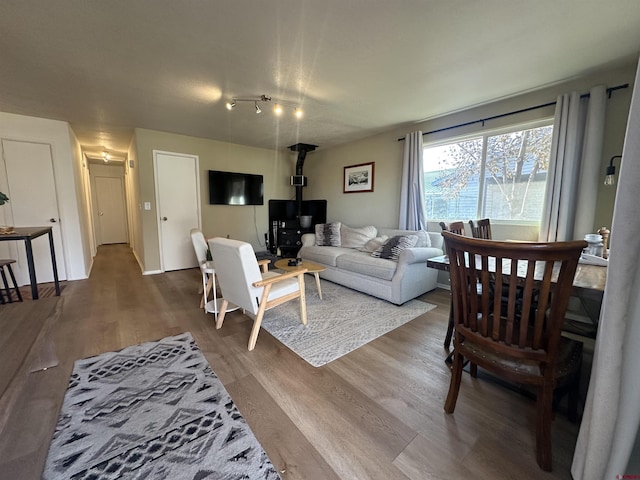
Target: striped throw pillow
[
  {"x": 328, "y": 234},
  {"x": 394, "y": 246}
]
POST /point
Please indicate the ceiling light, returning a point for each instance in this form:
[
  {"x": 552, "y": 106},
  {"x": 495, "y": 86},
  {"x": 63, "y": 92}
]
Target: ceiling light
[
  {"x": 298, "y": 112},
  {"x": 258, "y": 109},
  {"x": 106, "y": 156},
  {"x": 230, "y": 104},
  {"x": 277, "y": 109}
]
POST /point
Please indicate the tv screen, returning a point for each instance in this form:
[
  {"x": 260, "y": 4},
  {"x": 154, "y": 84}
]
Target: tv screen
[{"x": 231, "y": 188}]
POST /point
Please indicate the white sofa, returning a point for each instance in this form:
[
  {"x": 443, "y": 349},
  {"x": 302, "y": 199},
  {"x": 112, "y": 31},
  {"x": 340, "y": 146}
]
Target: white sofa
[{"x": 394, "y": 281}]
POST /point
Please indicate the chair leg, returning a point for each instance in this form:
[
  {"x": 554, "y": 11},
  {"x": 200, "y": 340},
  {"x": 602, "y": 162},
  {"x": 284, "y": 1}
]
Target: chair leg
[
  {"x": 253, "y": 338},
  {"x": 15, "y": 285},
  {"x": 6, "y": 286},
  {"x": 573, "y": 396},
  {"x": 543, "y": 427},
  {"x": 454, "y": 385},
  {"x": 303, "y": 300},
  {"x": 223, "y": 312},
  {"x": 447, "y": 338}
]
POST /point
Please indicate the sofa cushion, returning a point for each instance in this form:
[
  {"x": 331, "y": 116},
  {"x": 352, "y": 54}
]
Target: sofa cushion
[
  {"x": 352, "y": 237},
  {"x": 323, "y": 255},
  {"x": 363, "y": 263},
  {"x": 328, "y": 234},
  {"x": 392, "y": 248}
]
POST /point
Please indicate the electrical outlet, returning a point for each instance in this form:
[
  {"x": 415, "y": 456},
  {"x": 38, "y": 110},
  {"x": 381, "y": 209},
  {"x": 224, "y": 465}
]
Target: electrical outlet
[{"x": 147, "y": 205}]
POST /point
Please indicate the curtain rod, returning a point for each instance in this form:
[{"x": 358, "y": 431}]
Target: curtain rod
[{"x": 482, "y": 120}]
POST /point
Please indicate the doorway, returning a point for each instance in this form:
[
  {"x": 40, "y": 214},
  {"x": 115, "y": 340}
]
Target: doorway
[
  {"x": 178, "y": 207},
  {"x": 109, "y": 211},
  {"x": 33, "y": 202}
]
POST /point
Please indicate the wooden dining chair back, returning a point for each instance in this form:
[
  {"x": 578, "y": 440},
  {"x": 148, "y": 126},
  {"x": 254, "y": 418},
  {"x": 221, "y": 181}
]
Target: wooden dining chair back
[
  {"x": 480, "y": 228},
  {"x": 453, "y": 227},
  {"x": 517, "y": 337}
]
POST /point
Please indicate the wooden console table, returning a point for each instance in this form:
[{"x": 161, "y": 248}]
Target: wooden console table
[{"x": 27, "y": 234}]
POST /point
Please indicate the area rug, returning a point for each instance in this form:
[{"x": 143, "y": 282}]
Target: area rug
[
  {"x": 340, "y": 323},
  {"x": 152, "y": 411}
]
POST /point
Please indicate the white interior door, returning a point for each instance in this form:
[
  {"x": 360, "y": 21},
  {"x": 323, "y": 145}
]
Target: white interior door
[
  {"x": 112, "y": 214},
  {"x": 178, "y": 202},
  {"x": 33, "y": 203}
]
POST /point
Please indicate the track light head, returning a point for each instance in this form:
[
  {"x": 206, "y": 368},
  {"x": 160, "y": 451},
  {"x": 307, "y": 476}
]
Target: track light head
[
  {"x": 258, "y": 109},
  {"x": 231, "y": 104},
  {"x": 298, "y": 112},
  {"x": 277, "y": 109}
]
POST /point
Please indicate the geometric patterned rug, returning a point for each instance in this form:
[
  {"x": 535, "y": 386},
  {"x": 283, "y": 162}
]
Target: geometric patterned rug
[
  {"x": 340, "y": 323},
  {"x": 152, "y": 411}
]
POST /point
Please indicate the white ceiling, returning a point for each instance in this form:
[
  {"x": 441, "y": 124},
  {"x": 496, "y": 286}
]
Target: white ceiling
[{"x": 357, "y": 67}]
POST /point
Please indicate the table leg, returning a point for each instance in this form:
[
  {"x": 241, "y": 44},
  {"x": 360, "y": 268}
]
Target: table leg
[
  {"x": 32, "y": 269},
  {"x": 317, "y": 275},
  {"x": 53, "y": 262}
]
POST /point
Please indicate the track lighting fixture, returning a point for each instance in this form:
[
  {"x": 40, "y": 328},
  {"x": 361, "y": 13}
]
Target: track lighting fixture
[
  {"x": 106, "y": 156},
  {"x": 277, "y": 107}
]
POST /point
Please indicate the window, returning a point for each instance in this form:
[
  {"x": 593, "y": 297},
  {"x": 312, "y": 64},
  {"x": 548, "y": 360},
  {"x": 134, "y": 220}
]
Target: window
[{"x": 501, "y": 175}]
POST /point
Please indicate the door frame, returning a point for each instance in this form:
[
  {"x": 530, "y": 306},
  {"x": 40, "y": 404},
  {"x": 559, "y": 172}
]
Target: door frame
[{"x": 157, "y": 195}]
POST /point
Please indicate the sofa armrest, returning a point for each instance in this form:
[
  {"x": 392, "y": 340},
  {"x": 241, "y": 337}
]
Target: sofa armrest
[
  {"x": 308, "y": 239},
  {"x": 418, "y": 255}
]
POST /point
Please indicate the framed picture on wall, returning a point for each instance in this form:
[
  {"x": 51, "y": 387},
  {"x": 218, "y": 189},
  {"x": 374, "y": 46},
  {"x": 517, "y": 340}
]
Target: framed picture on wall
[{"x": 359, "y": 178}]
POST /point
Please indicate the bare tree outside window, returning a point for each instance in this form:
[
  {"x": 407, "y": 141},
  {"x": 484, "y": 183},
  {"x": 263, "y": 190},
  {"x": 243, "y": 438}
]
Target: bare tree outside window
[{"x": 501, "y": 176}]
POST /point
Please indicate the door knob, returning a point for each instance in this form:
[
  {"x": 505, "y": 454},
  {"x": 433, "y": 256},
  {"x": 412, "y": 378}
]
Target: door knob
[
  {"x": 164, "y": 219},
  {"x": 52, "y": 220},
  {"x": 101, "y": 214}
]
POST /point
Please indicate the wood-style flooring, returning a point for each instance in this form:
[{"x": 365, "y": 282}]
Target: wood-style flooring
[{"x": 376, "y": 413}]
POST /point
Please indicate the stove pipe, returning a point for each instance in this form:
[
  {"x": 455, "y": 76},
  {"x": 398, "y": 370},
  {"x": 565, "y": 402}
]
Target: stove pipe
[{"x": 302, "y": 149}]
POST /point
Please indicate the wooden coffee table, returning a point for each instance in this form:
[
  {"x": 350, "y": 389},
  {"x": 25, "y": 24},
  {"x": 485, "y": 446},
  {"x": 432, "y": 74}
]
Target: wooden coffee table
[{"x": 283, "y": 264}]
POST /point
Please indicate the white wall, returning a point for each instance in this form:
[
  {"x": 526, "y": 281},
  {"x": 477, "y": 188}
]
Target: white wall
[{"x": 66, "y": 164}]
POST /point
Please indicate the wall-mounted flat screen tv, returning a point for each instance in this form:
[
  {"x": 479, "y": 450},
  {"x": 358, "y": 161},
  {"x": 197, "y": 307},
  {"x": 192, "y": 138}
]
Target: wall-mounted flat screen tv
[{"x": 232, "y": 188}]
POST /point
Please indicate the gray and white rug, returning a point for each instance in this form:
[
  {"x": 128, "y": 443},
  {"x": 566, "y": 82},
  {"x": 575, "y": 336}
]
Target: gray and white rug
[
  {"x": 343, "y": 321},
  {"x": 152, "y": 411}
]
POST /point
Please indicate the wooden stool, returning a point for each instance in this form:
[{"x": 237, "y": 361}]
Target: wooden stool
[{"x": 6, "y": 262}]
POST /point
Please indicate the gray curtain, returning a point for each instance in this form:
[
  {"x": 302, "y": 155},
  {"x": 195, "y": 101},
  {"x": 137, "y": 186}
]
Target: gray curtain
[
  {"x": 574, "y": 166},
  {"x": 608, "y": 443},
  {"x": 412, "y": 215}
]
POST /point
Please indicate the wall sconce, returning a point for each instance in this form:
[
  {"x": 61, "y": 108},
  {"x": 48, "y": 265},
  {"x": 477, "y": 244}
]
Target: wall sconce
[
  {"x": 610, "y": 179},
  {"x": 277, "y": 107}
]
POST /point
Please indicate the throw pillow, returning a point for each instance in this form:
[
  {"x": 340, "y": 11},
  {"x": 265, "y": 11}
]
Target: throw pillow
[
  {"x": 394, "y": 246},
  {"x": 328, "y": 234},
  {"x": 373, "y": 244},
  {"x": 351, "y": 237}
]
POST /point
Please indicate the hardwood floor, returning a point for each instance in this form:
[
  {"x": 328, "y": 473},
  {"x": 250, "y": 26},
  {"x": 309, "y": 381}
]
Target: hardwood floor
[{"x": 376, "y": 413}]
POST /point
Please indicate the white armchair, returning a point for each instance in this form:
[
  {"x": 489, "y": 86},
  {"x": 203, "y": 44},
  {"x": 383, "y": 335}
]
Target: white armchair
[{"x": 243, "y": 283}]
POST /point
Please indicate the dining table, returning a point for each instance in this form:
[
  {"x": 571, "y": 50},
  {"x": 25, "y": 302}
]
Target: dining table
[
  {"x": 27, "y": 235},
  {"x": 588, "y": 283}
]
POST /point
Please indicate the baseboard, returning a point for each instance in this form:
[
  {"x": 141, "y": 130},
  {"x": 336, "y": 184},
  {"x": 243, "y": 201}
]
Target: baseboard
[{"x": 445, "y": 286}]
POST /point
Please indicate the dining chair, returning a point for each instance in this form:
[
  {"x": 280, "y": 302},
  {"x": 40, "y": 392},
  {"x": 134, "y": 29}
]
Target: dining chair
[
  {"x": 481, "y": 228},
  {"x": 243, "y": 282},
  {"x": 454, "y": 227},
  {"x": 522, "y": 345},
  {"x": 458, "y": 228},
  {"x": 6, "y": 263},
  {"x": 206, "y": 268}
]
